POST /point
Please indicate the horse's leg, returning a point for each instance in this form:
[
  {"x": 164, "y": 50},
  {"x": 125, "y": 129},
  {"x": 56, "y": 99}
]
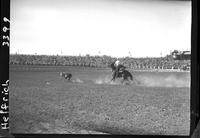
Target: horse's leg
[
  {"x": 131, "y": 77},
  {"x": 113, "y": 76},
  {"x": 123, "y": 80}
]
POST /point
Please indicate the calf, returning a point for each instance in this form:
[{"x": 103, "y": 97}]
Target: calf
[{"x": 67, "y": 76}]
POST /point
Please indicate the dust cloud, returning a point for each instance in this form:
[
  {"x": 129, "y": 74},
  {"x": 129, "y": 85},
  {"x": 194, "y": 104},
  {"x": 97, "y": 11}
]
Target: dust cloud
[
  {"x": 147, "y": 80},
  {"x": 77, "y": 80},
  {"x": 164, "y": 81},
  {"x": 106, "y": 80}
]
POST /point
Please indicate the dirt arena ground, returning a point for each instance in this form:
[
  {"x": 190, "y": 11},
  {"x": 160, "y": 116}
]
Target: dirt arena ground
[{"x": 40, "y": 101}]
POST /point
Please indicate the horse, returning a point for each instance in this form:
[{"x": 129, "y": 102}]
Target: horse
[
  {"x": 121, "y": 67},
  {"x": 123, "y": 73},
  {"x": 67, "y": 76}
]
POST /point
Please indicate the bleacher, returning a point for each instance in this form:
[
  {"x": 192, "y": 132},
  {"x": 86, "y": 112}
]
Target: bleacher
[{"x": 166, "y": 62}]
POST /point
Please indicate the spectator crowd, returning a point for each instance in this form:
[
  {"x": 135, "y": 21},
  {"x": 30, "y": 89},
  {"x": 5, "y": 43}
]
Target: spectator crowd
[{"x": 166, "y": 62}]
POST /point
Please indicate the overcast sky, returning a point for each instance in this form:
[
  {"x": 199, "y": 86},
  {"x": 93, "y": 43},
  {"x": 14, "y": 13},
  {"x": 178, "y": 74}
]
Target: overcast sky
[{"x": 118, "y": 28}]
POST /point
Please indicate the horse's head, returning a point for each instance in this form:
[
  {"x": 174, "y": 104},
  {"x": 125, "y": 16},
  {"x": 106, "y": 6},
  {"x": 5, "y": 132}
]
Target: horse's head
[{"x": 112, "y": 66}]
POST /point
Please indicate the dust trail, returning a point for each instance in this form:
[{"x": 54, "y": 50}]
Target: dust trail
[
  {"x": 77, "y": 80},
  {"x": 149, "y": 80},
  {"x": 164, "y": 81},
  {"x": 47, "y": 83},
  {"x": 106, "y": 80}
]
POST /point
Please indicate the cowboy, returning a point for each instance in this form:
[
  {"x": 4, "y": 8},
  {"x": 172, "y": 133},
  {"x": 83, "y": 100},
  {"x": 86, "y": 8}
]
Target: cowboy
[{"x": 118, "y": 66}]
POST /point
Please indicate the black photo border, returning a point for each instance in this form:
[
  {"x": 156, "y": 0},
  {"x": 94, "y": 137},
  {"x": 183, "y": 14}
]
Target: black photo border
[{"x": 195, "y": 78}]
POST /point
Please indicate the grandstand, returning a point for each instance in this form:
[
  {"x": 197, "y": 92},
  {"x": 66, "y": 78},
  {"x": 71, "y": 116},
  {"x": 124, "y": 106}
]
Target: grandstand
[{"x": 160, "y": 63}]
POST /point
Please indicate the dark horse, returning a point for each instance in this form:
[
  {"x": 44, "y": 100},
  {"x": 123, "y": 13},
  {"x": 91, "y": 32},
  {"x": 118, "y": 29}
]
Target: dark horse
[{"x": 123, "y": 73}]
